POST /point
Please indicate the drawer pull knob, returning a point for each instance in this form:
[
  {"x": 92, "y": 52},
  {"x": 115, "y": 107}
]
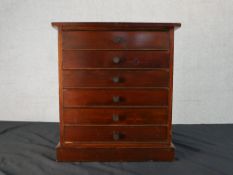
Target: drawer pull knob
[
  {"x": 116, "y": 79},
  {"x": 116, "y": 60},
  {"x": 117, "y": 40},
  {"x": 115, "y": 117},
  {"x": 116, "y": 135},
  {"x": 116, "y": 99}
]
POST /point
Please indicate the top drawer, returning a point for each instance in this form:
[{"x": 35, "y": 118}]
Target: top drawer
[{"x": 157, "y": 40}]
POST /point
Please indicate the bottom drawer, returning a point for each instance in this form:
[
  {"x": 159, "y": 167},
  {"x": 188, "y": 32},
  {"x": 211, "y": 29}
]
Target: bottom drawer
[{"x": 115, "y": 133}]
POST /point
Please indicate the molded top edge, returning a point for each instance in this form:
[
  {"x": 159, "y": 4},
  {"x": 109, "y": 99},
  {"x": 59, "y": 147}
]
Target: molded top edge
[{"x": 113, "y": 25}]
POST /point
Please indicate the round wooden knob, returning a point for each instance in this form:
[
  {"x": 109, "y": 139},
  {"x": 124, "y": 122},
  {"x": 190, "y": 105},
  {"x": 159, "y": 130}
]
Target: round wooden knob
[
  {"x": 115, "y": 79},
  {"x": 116, "y": 136},
  {"x": 116, "y": 99},
  {"x": 115, "y": 117},
  {"x": 116, "y": 60}
]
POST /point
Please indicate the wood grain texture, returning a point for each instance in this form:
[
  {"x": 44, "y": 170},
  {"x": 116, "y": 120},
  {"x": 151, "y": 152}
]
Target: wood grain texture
[
  {"x": 97, "y": 133},
  {"x": 108, "y": 116},
  {"x": 60, "y": 80},
  {"x": 95, "y": 40},
  {"x": 98, "y": 59},
  {"x": 111, "y": 26},
  {"x": 115, "y": 91},
  {"x": 115, "y": 97},
  {"x": 115, "y": 78},
  {"x": 170, "y": 94},
  {"x": 138, "y": 153},
  {"x": 114, "y": 144}
]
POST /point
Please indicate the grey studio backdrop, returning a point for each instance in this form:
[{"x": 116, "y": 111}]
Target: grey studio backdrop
[{"x": 203, "y": 74}]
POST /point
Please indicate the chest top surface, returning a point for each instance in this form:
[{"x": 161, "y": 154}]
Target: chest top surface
[{"x": 114, "y": 26}]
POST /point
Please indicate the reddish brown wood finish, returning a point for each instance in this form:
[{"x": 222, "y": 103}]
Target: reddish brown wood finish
[
  {"x": 115, "y": 78},
  {"x": 60, "y": 65},
  {"x": 92, "y": 59},
  {"x": 115, "y": 91},
  {"x": 114, "y": 26},
  {"x": 170, "y": 94},
  {"x": 106, "y": 97},
  {"x": 120, "y": 154},
  {"x": 125, "y": 116},
  {"x": 115, "y": 40},
  {"x": 102, "y": 133},
  {"x": 114, "y": 144}
]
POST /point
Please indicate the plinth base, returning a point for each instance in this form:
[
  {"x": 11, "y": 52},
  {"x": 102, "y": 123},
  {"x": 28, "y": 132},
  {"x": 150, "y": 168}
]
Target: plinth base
[{"x": 73, "y": 154}]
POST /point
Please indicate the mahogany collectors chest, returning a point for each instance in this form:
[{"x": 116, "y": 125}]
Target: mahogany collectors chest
[{"x": 115, "y": 91}]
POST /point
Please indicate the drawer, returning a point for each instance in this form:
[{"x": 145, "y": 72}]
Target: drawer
[
  {"x": 132, "y": 116},
  {"x": 115, "y": 78},
  {"x": 115, "y": 133},
  {"x": 115, "y": 97},
  {"x": 73, "y": 59},
  {"x": 158, "y": 40}
]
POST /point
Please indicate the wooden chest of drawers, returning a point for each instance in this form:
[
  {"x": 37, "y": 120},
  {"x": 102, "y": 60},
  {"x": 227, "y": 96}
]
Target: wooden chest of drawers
[{"x": 115, "y": 89}]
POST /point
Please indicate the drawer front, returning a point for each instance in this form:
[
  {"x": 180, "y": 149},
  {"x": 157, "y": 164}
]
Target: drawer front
[
  {"x": 115, "y": 97},
  {"x": 73, "y": 59},
  {"x": 115, "y": 40},
  {"x": 115, "y": 133},
  {"x": 131, "y": 116},
  {"x": 115, "y": 78}
]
